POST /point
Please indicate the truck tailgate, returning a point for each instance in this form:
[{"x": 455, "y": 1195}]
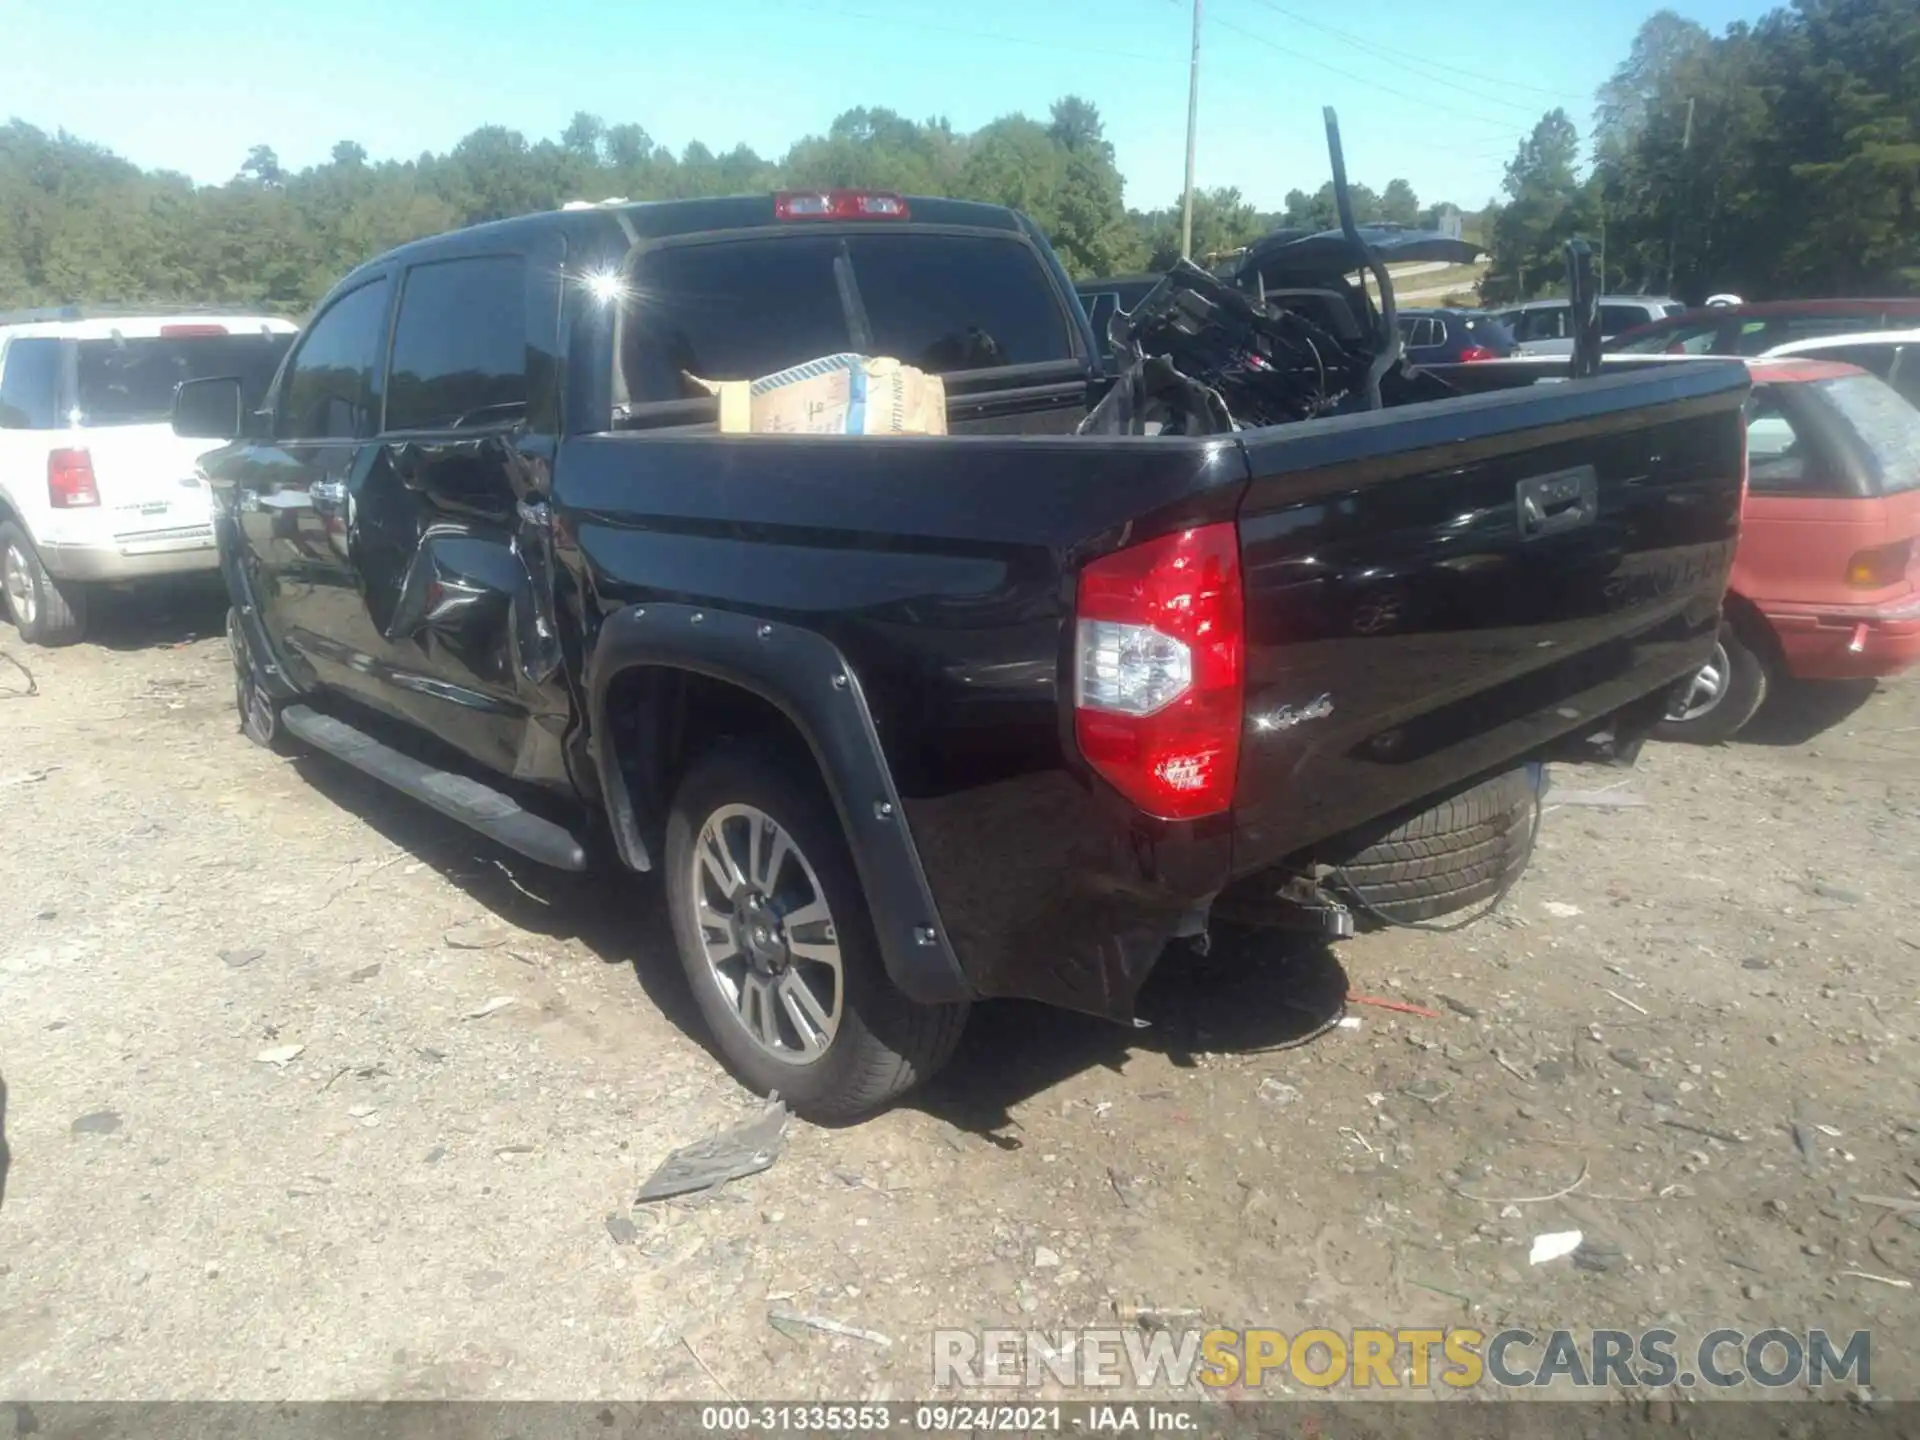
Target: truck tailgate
[{"x": 1432, "y": 595}]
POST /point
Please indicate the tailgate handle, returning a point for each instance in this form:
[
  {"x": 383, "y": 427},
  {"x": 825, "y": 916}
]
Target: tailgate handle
[{"x": 1562, "y": 501}]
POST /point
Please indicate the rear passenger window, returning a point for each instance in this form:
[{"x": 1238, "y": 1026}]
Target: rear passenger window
[
  {"x": 460, "y": 345},
  {"x": 327, "y": 391},
  {"x": 1423, "y": 332},
  {"x": 1549, "y": 323},
  {"x": 30, "y": 384},
  {"x": 1779, "y": 458},
  {"x": 738, "y": 309},
  {"x": 1615, "y": 318}
]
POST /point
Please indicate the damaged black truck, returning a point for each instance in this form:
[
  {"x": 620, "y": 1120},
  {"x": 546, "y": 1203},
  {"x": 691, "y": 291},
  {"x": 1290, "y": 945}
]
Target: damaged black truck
[{"x": 904, "y": 722}]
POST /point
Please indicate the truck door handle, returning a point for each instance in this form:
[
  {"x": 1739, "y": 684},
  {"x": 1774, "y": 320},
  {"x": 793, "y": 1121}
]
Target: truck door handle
[
  {"x": 1553, "y": 504},
  {"x": 326, "y": 494}
]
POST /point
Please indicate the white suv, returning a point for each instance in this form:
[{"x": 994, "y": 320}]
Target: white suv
[{"x": 94, "y": 485}]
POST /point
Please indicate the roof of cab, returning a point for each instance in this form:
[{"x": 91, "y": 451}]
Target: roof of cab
[{"x": 660, "y": 219}]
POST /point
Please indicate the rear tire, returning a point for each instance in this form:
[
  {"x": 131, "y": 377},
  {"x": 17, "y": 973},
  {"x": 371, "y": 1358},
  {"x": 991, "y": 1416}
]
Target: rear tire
[
  {"x": 48, "y": 612},
  {"x": 1451, "y": 857},
  {"x": 845, "y": 1042},
  {"x": 1722, "y": 696}
]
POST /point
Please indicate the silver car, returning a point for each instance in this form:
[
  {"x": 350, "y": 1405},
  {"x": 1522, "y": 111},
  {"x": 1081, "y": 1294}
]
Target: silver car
[{"x": 1545, "y": 327}]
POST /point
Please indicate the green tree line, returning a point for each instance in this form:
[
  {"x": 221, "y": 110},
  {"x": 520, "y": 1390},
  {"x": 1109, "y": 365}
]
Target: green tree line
[
  {"x": 1777, "y": 160},
  {"x": 80, "y": 223},
  {"x": 1780, "y": 158}
]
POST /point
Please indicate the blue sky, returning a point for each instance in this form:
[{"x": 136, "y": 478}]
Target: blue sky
[{"x": 190, "y": 87}]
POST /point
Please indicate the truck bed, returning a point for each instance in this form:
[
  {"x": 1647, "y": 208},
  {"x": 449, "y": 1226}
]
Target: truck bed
[{"x": 1432, "y": 594}]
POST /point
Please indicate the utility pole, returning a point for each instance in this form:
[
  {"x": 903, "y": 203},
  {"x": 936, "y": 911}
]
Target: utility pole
[
  {"x": 1680, "y": 191},
  {"x": 1193, "y": 123}
]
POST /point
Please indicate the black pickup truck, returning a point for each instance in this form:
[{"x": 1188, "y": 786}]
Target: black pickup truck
[{"x": 908, "y": 721}]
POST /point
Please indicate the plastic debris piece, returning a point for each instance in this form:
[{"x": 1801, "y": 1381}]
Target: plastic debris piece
[
  {"x": 1555, "y": 1245},
  {"x": 782, "y": 1318},
  {"x": 731, "y": 1155}
]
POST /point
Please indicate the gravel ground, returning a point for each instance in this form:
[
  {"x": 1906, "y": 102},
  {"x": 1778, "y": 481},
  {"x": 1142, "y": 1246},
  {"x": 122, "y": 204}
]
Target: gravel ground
[{"x": 275, "y": 1135}]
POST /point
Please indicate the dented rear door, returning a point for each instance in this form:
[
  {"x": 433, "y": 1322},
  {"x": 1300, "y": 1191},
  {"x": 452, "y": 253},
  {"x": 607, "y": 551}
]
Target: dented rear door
[{"x": 448, "y": 539}]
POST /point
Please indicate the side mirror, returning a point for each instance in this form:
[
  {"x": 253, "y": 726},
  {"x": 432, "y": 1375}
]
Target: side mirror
[{"x": 207, "y": 410}]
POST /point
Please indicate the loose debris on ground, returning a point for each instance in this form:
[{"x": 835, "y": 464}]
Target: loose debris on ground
[
  {"x": 1688, "y": 1035},
  {"x": 742, "y": 1151}
]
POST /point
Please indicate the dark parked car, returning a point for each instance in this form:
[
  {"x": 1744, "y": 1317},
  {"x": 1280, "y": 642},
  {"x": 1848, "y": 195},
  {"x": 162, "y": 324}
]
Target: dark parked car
[
  {"x": 1453, "y": 337},
  {"x": 905, "y": 722}
]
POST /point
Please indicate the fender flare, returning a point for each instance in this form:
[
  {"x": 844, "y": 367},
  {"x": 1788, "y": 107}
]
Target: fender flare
[{"x": 803, "y": 675}]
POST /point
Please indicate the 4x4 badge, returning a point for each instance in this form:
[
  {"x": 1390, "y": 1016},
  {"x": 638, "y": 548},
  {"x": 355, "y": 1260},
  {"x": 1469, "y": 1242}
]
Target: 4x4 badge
[{"x": 1288, "y": 716}]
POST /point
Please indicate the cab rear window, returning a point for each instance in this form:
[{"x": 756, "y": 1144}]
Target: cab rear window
[
  {"x": 738, "y": 309},
  {"x": 1885, "y": 427}
]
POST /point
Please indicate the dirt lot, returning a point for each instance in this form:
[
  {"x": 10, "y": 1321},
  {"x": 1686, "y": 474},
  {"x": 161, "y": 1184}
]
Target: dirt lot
[{"x": 418, "y": 1202}]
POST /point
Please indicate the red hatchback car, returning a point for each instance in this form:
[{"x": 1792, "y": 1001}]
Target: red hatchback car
[{"x": 1826, "y": 583}]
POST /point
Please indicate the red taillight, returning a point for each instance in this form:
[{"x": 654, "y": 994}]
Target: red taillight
[
  {"x": 70, "y": 480},
  {"x": 170, "y": 332},
  {"x": 1160, "y": 671},
  {"x": 1881, "y": 566},
  {"x": 838, "y": 205},
  {"x": 1477, "y": 352}
]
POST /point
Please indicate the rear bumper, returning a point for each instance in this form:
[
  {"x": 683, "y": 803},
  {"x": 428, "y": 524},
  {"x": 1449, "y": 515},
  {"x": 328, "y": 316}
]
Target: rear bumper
[
  {"x": 1847, "y": 642},
  {"x": 185, "y": 551},
  {"x": 1054, "y": 890}
]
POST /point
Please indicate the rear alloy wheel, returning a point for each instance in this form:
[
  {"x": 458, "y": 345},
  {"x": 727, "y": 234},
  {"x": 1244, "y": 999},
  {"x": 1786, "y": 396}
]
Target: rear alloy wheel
[
  {"x": 767, "y": 935},
  {"x": 1721, "y": 697},
  {"x": 46, "y": 612},
  {"x": 772, "y": 928}
]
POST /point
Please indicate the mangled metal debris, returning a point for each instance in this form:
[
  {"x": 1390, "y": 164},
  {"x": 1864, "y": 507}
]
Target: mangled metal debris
[{"x": 1288, "y": 334}]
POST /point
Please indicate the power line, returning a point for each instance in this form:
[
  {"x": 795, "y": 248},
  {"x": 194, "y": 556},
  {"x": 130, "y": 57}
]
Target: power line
[
  {"x": 1376, "y": 52},
  {"x": 998, "y": 39},
  {"x": 1506, "y": 126},
  {"x": 1403, "y": 55}
]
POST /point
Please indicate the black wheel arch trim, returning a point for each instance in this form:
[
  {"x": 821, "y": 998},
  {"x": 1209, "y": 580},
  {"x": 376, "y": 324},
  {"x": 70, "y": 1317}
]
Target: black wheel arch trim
[{"x": 803, "y": 675}]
